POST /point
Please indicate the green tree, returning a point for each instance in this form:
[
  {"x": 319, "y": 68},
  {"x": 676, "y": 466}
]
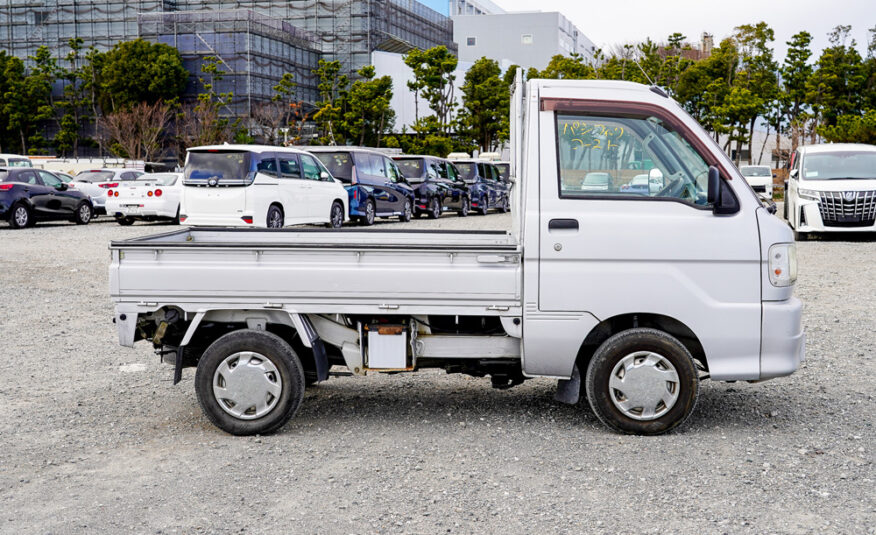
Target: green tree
[
  {"x": 836, "y": 85},
  {"x": 433, "y": 74},
  {"x": 757, "y": 75},
  {"x": 572, "y": 67},
  {"x": 139, "y": 71},
  {"x": 333, "y": 90},
  {"x": 795, "y": 72},
  {"x": 27, "y": 99},
  {"x": 485, "y": 104},
  {"x": 74, "y": 107},
  {"x": 369, "y": 115},
  {"x": 851, "y": 129}
]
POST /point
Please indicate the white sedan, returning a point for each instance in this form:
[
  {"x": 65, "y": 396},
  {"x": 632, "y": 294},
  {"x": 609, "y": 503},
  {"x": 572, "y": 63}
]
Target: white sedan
[
  {"x": 152, "y": 197},
  {"x": 96, "y": 182}
]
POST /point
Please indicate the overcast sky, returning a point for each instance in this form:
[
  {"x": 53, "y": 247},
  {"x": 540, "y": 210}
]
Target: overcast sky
[{"x": 613, "y": 23}]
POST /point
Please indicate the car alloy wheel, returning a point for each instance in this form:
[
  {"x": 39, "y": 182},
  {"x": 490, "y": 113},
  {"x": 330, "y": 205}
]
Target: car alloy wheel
[
  {"x": 21, "y": 216},
  {"x": 337, "y": 215}
]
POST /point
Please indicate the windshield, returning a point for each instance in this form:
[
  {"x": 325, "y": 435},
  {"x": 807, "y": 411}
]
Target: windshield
[
  {"x": 840, "y": 165},
  {"x": 412, "y": 169},
  {"x": 165, "y": 179},
  {"x": 467, "y": 170},
  {"x": 339, "y": 164},
  {"x": 95, "y": 176},
  {"x": 227, "y": 167},
  {"x": 755, "y": 170}
]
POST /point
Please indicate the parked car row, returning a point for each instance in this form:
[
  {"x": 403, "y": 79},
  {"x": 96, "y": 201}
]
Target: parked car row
[
  {"x": 29, "y": 195},
  {"x": 272, "y": 187}
]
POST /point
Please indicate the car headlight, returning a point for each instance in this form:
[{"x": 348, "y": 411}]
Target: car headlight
[
  {"x": 783, "y": 264},
  {"x": 809, "y": 194}
]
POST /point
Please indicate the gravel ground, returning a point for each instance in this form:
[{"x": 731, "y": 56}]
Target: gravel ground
[{"x": 94, "y": 437}]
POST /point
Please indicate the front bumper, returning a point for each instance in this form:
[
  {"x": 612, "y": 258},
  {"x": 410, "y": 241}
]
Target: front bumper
[
  {"x": 783, "y": 341},
  {"x": 811, "y": 221}
]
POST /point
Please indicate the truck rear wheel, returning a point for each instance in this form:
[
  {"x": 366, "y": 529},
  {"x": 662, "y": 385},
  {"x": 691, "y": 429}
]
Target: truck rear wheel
[
  {"x": 642, "y": 381},
  {"x": 249, "y": 382}
]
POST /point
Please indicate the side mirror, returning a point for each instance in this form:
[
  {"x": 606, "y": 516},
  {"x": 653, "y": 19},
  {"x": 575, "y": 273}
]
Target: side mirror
[
  {"x": 713, "y": 196},
  {"x": 61, "y": 187},
  {"x": 794, "y": 173},
  {"x": 324, "y": 176}
]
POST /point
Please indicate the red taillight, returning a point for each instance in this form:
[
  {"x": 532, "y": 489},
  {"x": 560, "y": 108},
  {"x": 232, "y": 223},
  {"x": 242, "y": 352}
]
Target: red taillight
[
  {"x": 110, "y": 185},
  {"x": 183, "y": 218},
  {"x": 158, "y": 193},
  {"x": 110, "y": 193},
  {"x": 6, "y": 187},
  {"x": 247, "y": 219},
  {"x": 148, "y": 193}
]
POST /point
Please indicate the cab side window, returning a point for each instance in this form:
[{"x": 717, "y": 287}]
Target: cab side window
[
  {"x": 432, "y": 170},
  {"x": 452, "y": 172},
  {"x": 289, "y": 167},
  {"x": 310, "y": 168},
  {"x": 627, "y": 157},
  {"x": 267, "y": 166}
]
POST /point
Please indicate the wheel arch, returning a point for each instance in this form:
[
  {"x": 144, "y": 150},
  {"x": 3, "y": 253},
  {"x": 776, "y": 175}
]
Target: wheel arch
[{"x": 622, "y": 322}]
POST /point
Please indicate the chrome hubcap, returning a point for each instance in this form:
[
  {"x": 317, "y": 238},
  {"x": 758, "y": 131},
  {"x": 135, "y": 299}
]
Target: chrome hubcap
[
  {"x": 337, "y": 220},
  {"x": 247, "y": 385},
  {"x": 407, "y": 209},
  {"x": 21, "y": 216},
  {"x": 84, "y": 213},
  {"x": 369, "y": 212},
  {"x": 644, "y": 385}
]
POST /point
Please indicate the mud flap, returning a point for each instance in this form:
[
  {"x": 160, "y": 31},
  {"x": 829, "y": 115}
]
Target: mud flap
[
  {"x": 313, "y": 340},
  {"x": 569, "y": 390}
]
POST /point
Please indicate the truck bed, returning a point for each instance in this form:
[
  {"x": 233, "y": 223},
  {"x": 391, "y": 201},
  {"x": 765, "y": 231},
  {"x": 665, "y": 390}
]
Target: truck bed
[{"x": 321, "y": 271}]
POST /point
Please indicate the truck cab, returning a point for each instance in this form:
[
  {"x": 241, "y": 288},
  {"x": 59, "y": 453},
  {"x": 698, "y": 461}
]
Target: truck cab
[{"x": 628, "y": 297}]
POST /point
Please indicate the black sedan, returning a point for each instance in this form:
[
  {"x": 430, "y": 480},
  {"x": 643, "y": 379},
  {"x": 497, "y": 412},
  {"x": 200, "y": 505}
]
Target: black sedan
[
  {"x": 436, "y": 184},
  {"x": 31, "y": 195}
]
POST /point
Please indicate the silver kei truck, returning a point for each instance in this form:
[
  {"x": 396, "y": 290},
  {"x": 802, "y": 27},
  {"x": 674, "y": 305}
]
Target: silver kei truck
[{"x": 628, "y": 296}]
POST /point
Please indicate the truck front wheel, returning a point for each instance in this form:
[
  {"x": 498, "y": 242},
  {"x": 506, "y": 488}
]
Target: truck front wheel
[
  {"x": 249, "y": 382},
  {"x": 642, "y": 381}
]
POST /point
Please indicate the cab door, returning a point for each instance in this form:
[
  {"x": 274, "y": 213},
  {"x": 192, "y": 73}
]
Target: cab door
[
  {"x": 323, "y": 190},
  {"x": 607, "y": 254},
  {"x": 60, "y": 203}
]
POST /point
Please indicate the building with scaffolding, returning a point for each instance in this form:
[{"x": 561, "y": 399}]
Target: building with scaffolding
[{"x": 255, "y": 41}]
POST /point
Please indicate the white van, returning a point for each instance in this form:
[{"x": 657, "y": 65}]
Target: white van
[
  {"x": 259, "y": 186},
  {"x": 14, "y": 160},
  {"x": 832, "y": 188},
  {"x": 760, "y": 178}
]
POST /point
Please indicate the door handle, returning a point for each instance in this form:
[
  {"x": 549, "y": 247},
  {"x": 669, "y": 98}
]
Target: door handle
[{"x": 563, "y": 224}]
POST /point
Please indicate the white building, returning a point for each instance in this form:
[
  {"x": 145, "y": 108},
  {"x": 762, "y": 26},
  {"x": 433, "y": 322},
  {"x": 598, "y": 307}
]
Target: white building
[{"x": 528, "y": 39}]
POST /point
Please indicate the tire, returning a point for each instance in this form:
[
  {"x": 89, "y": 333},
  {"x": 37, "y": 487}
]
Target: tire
[
  {"x": 370, "y": 213},
  {"x": 434, "y": 208},
  {"x": 407, "y": 213},
  {"x": 125, "y": 221},
  {"x": 20, "y": 216},
  {"x": 83, "y": 213},
  {"x": 271, "y": 384},
  {"x": 667, "y": 384},
  {"x": 505, "y": 207},
  {"x": 336, "y": 215},
  {"x": 274, "y": 218},
  {"x": 466, "y": 207},
  {"x": 484, "y": 204}
]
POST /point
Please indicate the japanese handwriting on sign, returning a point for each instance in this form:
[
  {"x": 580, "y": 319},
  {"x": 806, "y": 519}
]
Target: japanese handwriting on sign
[{"x": 581, "y": 134}]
